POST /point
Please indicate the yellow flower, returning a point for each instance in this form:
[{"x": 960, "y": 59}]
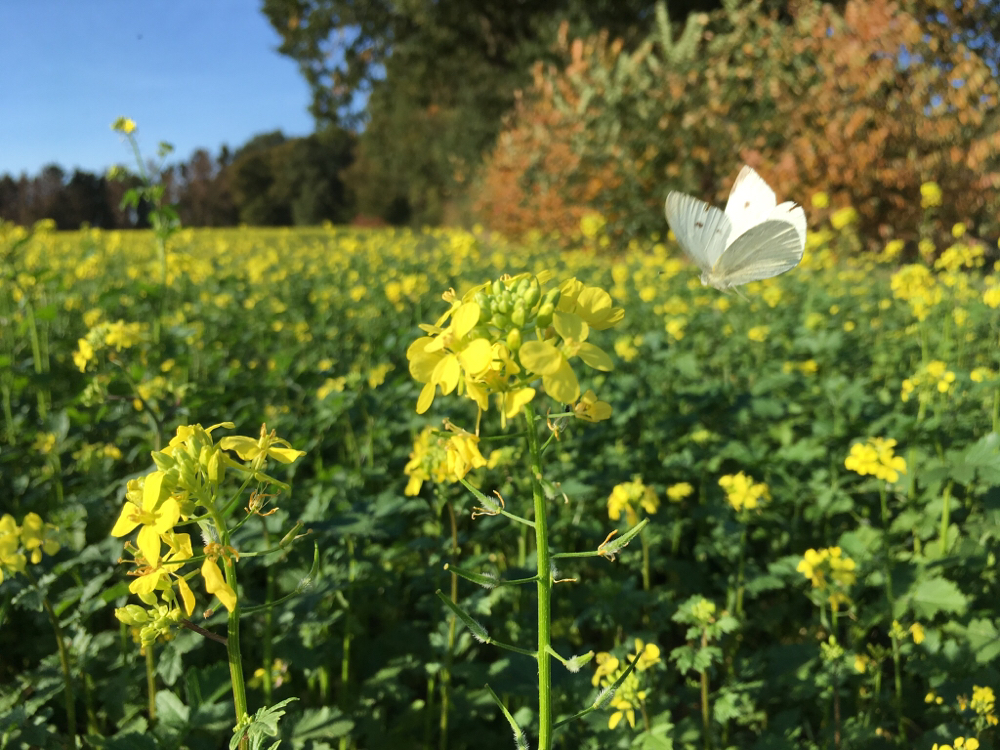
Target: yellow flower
[
  {"x": 758, "y": 333},
  {"x": 742, "y": 492},
  {"x": 679, "y": 491},
  {"x": 591, "y": 409},
  {"x": 876, "y": 457},
  {"x": 463, "y": 454},
  {"x": 267, "y": 444},
  {"x": 893, "y": 249},
  {"x": 991, "y": 297},
  {"x": 930, "y": 195},
  {"x": 591, "y": 225},
  {"x": 958, "y": 230},
  {"x": 38, "y": 537},
  {"x": 83, "y": 354},
  {"x": 11, "y": 558},
  {"x": 830, "y": 572},
  {"x": 820, "y": 200},
  {"x": 917, "y": 631},
  {"x": 157, "y": 515},
  {"x": 216, "y": 584},
  {"x": 124, "y": 125},
  {"x": 626, "y": 496},
  {"x": 842, "y": 217}
]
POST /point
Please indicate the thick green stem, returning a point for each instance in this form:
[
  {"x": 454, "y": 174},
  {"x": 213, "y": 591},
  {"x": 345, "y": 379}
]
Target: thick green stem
[
  {"x": 235, "y": 658},
  {"x": 544, "y": 588},
  {"x": 150, "y": 681}
]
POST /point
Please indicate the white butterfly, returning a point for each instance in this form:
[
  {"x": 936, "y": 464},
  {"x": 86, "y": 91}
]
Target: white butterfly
[{"x": 754, "y": 239}]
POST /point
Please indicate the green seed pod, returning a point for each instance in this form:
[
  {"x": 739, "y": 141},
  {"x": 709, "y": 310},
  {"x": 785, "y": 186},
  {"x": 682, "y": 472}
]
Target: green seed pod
[{"x": 514, "y": 339}]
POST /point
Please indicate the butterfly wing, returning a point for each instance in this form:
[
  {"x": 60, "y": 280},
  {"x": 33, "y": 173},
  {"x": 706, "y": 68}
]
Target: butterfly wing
[
  {"x": 751, "y": 201},
  {"x": 701, "y": 229},
  {"x": 768, "y": 249}
]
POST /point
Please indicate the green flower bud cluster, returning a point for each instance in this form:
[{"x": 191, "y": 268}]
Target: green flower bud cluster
[
  {"x": 509, "y": 306},
  {"x": 191, "y": 467},
  {"x": 158, "y": 621}
]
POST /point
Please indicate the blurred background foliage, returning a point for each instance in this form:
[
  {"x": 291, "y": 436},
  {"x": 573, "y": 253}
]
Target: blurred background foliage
[{"x": 531, "y": 114}]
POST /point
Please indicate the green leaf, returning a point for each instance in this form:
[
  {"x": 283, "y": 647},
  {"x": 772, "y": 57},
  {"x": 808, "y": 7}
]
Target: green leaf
[
  {"x": 170, "y": 710},
  {"x": 325, "y": 722},
  {"x": 262, "y": 725},
  {"x": 984, "y": 640},
  {"x": 937, "y": 595}
]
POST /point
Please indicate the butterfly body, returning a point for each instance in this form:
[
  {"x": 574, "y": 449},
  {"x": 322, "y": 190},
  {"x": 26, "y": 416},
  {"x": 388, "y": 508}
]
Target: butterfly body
[{"x": 753, "y": 239}]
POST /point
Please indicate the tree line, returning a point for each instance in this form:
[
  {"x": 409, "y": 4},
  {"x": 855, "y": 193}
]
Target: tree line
[{"x": 271, "y": 180}]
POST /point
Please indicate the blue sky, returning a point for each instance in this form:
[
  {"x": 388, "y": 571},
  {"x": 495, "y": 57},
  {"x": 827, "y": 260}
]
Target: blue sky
[{"x": 195, "y": 73}]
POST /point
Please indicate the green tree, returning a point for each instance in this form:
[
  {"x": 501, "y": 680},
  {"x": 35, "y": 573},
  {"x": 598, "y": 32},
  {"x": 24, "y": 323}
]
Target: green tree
[{"x": 431, "y": 80}]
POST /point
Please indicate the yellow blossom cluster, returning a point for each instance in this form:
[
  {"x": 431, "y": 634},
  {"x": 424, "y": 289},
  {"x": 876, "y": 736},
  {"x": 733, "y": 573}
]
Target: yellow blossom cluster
[
  {"x": 743, "y": 493},
  {"x": 630, "y": 695},
  {"x": 830, "y": 572},
  {"x": 959, "y": 743},
  {"x": 501, "y": 337},
  {"x": 876, "y": 457},
  {"x": 189, "y": 472},
  {"x": 19, "y": 544},
  {"x": 916, "y": 285},
  {"x": 627, "y": 497},
  {"x": 933, "y": 377}
]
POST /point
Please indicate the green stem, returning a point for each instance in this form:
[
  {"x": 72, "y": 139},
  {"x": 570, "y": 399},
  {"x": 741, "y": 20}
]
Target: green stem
[
  {"x": 741, "y": 573},
  {"x": 345, "y": 658},
  {"x": 64, "y": 664},
  {"x": 645, "y": 561},
  {"x": 268, "y": 651},
  {"x": 449, "y": 656},
  {"x": 945, "y": 518},
  {"x": 544, "y": 587},
  {"x": 897, "y": 673},
  {"x": 706, "y": 722},
  {"x": 235, "y": 658},
  {"x": 150, "y": 681}
]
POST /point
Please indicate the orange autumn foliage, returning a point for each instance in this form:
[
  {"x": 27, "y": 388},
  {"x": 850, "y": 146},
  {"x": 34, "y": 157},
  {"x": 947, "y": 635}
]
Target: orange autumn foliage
[{"x": 865, "y": 106}]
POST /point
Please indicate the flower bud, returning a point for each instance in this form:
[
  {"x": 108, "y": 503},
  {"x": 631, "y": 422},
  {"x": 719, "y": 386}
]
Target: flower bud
[
  {"x": 163, "y": 461},
  {"x": 498, "y": 288},
  {"x": 545, "y": 313},
  {"x": 514, "y": 339},
  {"x": 504, "y": 303},
  {"x": 517, "y": 316},
  {"x": 552, "y": 296},
  {"x": 532, "y": 294},
  {"x": 501, "y": 321}
]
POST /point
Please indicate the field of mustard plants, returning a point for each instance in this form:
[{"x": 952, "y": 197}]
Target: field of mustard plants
[{"x": 767, "y": 521}]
